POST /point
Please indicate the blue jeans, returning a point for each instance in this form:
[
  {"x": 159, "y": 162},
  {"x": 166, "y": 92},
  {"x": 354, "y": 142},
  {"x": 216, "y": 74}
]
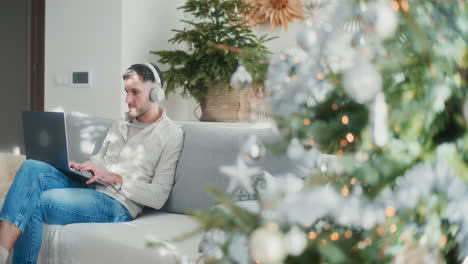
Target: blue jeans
[{"x": 41, "y": 194}]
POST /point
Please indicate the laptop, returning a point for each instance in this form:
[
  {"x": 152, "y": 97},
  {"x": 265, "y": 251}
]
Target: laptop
[{"x": 45, "y": 139}]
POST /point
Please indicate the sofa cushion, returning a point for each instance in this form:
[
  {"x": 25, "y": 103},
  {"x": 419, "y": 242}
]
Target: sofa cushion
[
  {"x": 207, "y": 146},
  {"x": 9, "y": 164},
  {"x": 121, "y": 242}
]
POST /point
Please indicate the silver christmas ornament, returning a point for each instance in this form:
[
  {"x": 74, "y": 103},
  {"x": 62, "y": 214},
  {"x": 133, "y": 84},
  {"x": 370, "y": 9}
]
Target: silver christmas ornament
[
  {"x": 379, "y": 119},
  {"x": 253, "y": 149},
  {"x": 362, "y": 82},
  {"x": 241, "y": 78},
  {"x": 307, "y": 39}
]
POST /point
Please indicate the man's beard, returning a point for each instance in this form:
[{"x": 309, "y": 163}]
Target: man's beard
[{"x": 141, "y": 111}]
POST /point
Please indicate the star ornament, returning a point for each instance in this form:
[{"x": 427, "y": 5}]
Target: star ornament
[{"x": 239, "y": 174}]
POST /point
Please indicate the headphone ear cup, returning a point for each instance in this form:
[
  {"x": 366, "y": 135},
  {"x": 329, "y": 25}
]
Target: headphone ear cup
[
  {"x": 160, "y": 94},
  {"x": 154, "y": 95}
]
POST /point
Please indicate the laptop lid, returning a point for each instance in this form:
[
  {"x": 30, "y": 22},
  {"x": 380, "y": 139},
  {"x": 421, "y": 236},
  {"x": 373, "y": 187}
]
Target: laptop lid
[{"x": 45, "y": 137}]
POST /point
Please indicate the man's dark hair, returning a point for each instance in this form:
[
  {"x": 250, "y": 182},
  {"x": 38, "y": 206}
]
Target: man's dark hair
[{"x": 144, "y": 72}]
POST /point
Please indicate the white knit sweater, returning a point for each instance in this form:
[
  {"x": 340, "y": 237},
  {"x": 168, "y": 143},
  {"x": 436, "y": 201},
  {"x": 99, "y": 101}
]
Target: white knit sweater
[{"x": 146, "y": 162}]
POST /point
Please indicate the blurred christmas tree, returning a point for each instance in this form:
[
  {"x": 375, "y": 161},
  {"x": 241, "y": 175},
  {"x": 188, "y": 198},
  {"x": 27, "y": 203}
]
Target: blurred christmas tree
[{"x": 383, "y": 86}]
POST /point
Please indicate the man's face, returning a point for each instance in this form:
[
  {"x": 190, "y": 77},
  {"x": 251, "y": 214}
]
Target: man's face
[{"x": 138, "y": 99}]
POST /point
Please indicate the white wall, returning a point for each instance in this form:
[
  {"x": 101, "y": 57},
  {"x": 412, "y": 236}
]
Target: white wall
[
  {"x": 146, "y": 26},
  {"x": 83, "y": 35}
]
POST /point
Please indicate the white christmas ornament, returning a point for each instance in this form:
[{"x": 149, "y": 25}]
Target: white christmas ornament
[
  {"x": 295, "y": 149},
  {"x": 267, "y": 245},
  {"x": 379, "y": 116},
  {"x": 387, "y": 20},
  {"x": 362, "y": 82},
  {"x": 241, "y": 78},
  {"x": 295, "y": 241},
  {"x": 319, "y": 13},
  {"x": 307, "y": 39},
  {"x": 239, "y": 174},
  {"x": 339, "y": 54}
]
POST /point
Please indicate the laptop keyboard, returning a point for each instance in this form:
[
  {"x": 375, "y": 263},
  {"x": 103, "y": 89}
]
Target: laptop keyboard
[{"x": 84, "y": 173}]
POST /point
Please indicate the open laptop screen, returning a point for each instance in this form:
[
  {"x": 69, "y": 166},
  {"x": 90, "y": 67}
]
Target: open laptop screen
[{"x": 45, "y": 137}]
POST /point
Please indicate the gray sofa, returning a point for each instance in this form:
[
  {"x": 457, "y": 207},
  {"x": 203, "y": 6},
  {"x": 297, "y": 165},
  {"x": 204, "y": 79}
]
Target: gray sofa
[{"x": 206, "y": 147}]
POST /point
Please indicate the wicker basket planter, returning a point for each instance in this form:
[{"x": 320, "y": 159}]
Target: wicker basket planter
[{"x": 220, "y": 107}]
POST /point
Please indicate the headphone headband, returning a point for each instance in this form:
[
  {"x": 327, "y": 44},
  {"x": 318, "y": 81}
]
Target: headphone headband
[{"x": 153, "y": 70}]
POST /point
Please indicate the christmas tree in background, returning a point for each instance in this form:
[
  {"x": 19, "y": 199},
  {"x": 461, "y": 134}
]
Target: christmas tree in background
[
  {"x": 374, "y": 104},
  {"x": 212, "y": 25}
]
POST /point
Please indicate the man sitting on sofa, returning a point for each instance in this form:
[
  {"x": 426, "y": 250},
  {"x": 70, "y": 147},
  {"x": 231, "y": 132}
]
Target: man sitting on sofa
[{"x": 137, "y": 159}]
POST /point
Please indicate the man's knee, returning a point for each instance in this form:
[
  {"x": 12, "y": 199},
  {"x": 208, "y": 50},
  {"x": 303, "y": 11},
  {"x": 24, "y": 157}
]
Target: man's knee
[
  {"x": 30, "y": 168},
  {"x": 33, "y": 165}
]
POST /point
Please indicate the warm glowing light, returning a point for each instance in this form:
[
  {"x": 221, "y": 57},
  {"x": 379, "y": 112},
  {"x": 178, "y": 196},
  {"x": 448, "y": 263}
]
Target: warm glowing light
[
  {"x": 345, "y": 191},
  {"x": 404, "y": 237},
  {"x": 396, "y": 128},
  {"x": 339, "y": 152},
  {"x": 361, "y": 245},
  {"x": 326, "y": 227},
  {"x": 297, "y": 60},
  {"x": 393, "y": 228},
  {"x": 312, "y": 235},
  {"x": 294, "y": 77},
  {"x": 334, "y": 236},
  {"x": 282, "y": 57},
  {"x": 367, "y": 52},
  {"x": 258, "y": 262},
  {"x": 272, "y": 227},
  {"x": 324, "y": 242},
  {"x": 335, "y": 107},
  {"x": 443, "y": 241},
  {"x": 348, "y": 234},
  {"x": 311, "y": 142},
  {"x": 368, "y": 241},
  {"x": 307, "y": 121},
  {"x": 432, "y": 70},
  {"x": 345, "y": 119},
  {"x": 404, "y": 5},
  {"x": 395, "y": 5},
  {"x": 320, "y": 76},
  {"x": 350, "y": 137},
  {"x": 343, "y": 143},
  {"x": 381, "y": 231},
  {"x": 461, "y": 4},
  {"x": 390, "y": 211},
  {"x": 353, "y": 181}
]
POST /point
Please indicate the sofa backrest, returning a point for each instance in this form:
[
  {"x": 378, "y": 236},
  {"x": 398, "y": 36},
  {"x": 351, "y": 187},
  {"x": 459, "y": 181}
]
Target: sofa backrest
[{"x": 207, "y": 146}]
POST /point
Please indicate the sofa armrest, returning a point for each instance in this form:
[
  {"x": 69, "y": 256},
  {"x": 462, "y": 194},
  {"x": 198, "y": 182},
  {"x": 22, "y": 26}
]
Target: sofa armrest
[{"x": 9, "y": 164}]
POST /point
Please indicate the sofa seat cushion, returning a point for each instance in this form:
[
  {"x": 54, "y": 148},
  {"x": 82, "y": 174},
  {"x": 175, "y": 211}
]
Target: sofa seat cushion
[{"x": 121, "y": 242}]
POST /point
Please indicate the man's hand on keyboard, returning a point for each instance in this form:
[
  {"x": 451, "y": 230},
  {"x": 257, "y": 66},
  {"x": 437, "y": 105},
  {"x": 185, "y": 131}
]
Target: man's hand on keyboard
[{"x": 99, "y": 173}]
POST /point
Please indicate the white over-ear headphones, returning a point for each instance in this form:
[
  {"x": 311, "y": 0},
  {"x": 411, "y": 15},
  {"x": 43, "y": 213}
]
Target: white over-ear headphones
[{"x": 156, "y": 93}]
